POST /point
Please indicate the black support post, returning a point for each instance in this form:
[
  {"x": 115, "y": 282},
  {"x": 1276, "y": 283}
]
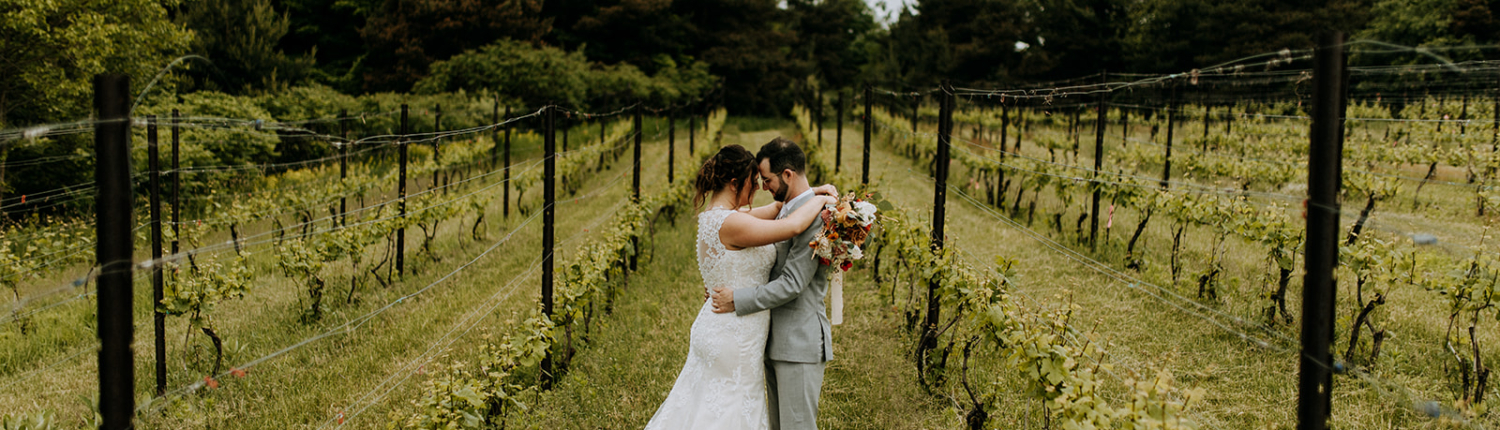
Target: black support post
[
  {"x": 838, "y": 133},
  {"x": 495, "y": 135},
  {"x": 506, "y": 203},
  {"x": 549, "y": 198},
  {"x": 1098, "y": 167},
  {"x": 401, "y": 195},
  {"x": 939, "y": 210},
  {"x": 114, "y": 250},
  {"x": 692, "y": 136},
  {"x": 864, "y": 176},
  {"x": 1495, "y": 131},
  {"x": 437, "y": 161},
  {"x": 1020, "y": 126},
  {"x": 1206, "y": 108},
  {"x": 818, "y": 119},
  {"x": 1324, "y": 170},
  {"x": 916, "y": 107},
  {"x": 176, "y": 181},
  {"x": 158, "y": 319},
  {"x": 343, "y": 165},
  {"x": 671, "y": 146},
  {"x": 1166, "y": 168},
  {"x": 635, "y": 178},
  {"x": 1000, "y": 167}
]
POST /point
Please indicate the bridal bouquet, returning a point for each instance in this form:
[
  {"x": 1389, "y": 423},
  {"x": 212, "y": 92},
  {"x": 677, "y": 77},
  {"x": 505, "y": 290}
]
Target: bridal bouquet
[{"x": 846, "y": 225}]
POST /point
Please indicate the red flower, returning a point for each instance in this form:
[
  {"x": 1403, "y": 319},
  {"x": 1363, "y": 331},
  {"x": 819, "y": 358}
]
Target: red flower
[
  {"x": 847, "y": 265},
  {"x": 238, "y": 373},
  {"x": 824, "y": 261},
  {"x": 209, "y": 380}
]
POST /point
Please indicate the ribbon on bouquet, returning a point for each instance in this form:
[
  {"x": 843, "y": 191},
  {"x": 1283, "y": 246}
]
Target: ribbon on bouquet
[{"x": 836, "y": 297}]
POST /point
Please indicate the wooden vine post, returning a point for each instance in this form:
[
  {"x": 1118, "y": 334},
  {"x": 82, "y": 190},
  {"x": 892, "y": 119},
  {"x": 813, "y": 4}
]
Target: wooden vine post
[
  {"x": 1324, "y": 170},
  {"x": 114, "y": 250}
]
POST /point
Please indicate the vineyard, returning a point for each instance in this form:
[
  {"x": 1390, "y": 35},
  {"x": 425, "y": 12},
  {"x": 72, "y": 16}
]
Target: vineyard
[{"x": 1119, "y": 251}]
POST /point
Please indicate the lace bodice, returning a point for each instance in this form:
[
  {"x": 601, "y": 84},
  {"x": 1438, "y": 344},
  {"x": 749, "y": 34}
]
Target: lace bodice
[{"x": 734, "y": 268}]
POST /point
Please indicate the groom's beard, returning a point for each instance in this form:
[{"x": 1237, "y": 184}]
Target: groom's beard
[{"x": 780, "y": 193}]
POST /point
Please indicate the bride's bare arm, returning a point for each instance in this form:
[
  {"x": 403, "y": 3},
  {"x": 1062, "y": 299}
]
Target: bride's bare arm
[
  {"x": 770, "y": 211},
  {"x": 766, "y": 212},
  {"x": 741, "y": 232}
]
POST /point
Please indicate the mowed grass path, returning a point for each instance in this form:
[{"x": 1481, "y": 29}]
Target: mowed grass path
[{"x": 619, "y": 381}]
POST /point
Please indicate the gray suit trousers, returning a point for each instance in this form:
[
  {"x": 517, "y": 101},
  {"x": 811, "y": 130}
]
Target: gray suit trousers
[{"x": 793, "y": 390}]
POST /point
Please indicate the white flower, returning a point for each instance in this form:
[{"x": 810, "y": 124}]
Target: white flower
[
  {"x": 866, "y": 212},
  {"x": 855, "y": 253}
]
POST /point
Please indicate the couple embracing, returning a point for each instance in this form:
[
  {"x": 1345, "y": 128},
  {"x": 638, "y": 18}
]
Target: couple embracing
[{"x": 758, "y": 347}]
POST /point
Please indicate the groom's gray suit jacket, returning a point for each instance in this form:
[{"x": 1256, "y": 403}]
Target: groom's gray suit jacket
[{"x": 800, "y": 331}]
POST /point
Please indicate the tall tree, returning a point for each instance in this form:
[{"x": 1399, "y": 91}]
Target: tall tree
[
  {"x": 50, "y": 50},
  {"x": 240, "y": 37},
  {"x": 639, "y": 32},
  {"x": 1169, "y": 36},
  {"x": 969, "y": 41},
  {"x": 406, "y": 36},
  {"x": 827, "y": 32},
  {"x": 748, "y": 44},
  {"x": 1081, "y": 37},
  {"x": 1432, "y": 23},
  {"x": 328, "y": 31}
]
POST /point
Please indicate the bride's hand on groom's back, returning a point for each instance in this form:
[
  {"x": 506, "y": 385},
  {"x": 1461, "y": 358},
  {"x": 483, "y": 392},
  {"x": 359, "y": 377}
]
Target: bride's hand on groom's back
[{"x": 723, "y": 300}]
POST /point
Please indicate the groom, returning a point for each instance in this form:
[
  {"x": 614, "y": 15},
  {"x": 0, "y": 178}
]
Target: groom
[{"x": 801, "y": 341}]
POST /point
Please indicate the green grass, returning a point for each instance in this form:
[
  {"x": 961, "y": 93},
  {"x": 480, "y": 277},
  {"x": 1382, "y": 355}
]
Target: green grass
[{"x": 311, "y": 384}]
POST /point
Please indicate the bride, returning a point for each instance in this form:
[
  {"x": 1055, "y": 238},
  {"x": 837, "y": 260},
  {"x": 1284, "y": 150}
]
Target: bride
[{"x": 723, "y": 385}]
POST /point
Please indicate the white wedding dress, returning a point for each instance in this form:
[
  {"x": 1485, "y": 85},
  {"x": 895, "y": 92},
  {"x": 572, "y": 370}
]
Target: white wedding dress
[{"x": 723, "y": 383}]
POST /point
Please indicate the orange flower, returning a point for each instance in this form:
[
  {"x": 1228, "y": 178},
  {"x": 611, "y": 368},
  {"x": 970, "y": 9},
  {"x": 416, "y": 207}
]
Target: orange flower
[{"x": 209, "y": 380}]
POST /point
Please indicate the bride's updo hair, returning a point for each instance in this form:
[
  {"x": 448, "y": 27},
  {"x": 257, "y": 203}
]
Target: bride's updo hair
[{"x": 731, "y": 163}]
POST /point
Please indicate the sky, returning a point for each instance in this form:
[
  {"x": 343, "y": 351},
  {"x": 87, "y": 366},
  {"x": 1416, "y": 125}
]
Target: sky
[{"x": 891, "y": 9}]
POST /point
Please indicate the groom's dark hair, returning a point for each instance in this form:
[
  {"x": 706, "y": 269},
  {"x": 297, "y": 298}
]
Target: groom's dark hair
[{"x": 784, "y": 154}]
